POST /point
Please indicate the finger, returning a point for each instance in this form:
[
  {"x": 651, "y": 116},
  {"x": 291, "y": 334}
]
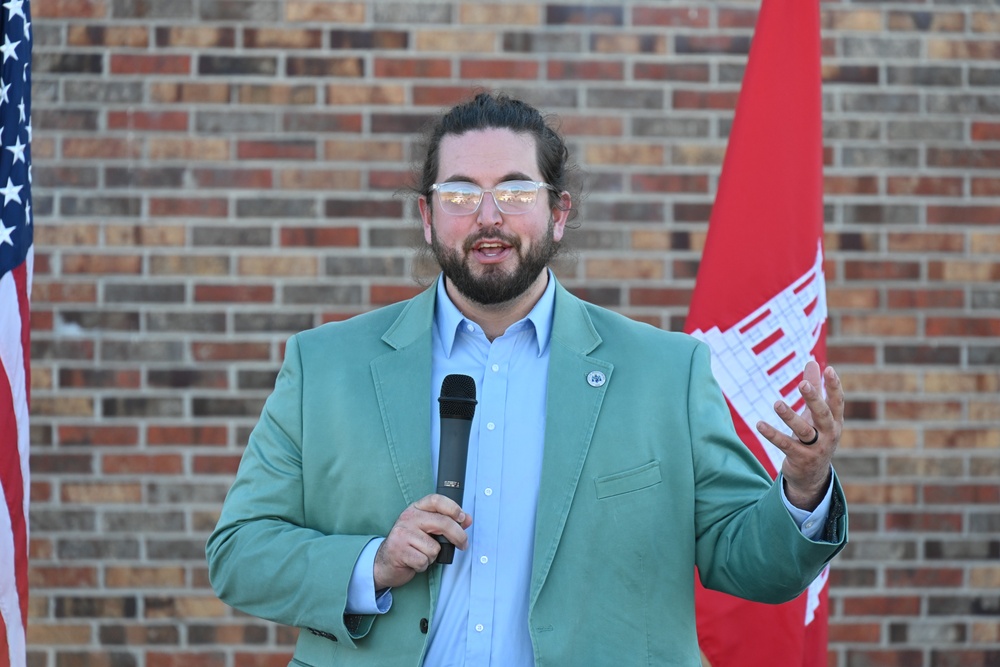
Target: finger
[
  {"x": 801, "y": 429},
  {"x": 811, "y": 373},
  {"x": 429, "y": 523},
  {"x": 439, "y": 504},
  {"x": 776, "y": 437},
  {"x": 819, "y": 411},
  {"x": 834, "y": 394}
]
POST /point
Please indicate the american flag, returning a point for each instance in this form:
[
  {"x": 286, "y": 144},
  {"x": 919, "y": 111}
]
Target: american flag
[{"x": 16, "y": 263}]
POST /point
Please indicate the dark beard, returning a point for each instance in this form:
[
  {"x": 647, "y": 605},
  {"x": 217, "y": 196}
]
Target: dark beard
[{"x": 495, "y": 286}]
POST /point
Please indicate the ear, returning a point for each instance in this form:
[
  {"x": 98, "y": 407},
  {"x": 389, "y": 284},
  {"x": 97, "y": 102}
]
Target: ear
[
  {"x": 560, "y": 214},
  {"x": 425, "y": 216}
]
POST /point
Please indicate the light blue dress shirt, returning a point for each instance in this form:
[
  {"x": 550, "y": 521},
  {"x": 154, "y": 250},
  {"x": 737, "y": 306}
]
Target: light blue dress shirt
[{"x": 482, "y": 613}]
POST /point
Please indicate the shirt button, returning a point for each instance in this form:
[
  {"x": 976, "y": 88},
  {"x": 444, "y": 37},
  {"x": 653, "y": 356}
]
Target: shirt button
[
  {"x": 488, "y": 492},
  {"x": 496, "y": 367},
  {"x": 491, "y": 426},
  {"x": 470, "y": 328},
  {"x": 484, "y": 560},
  {"x": 809, "y": 524},
  {"x": 479, "y": 627}
]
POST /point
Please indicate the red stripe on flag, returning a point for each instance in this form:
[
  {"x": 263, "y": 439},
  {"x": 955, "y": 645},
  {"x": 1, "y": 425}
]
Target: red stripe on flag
[
  {"x": 805, "y": 283},
  {"x": 13, "y": 488},
  {"x": 4, "y": 647},
  {"x": 781, "y": 364},
  {"x": 757, "y": 320},
  {"x": 790, "y": 387},
  {"x": 768, "y": 342}
]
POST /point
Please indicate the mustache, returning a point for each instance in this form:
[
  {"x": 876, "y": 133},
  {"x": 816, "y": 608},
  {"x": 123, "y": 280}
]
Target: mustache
[{"x": 513, "y": 241}]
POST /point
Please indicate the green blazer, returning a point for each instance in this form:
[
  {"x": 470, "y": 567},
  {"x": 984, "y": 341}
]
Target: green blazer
[{"x": 643, "y": 478}]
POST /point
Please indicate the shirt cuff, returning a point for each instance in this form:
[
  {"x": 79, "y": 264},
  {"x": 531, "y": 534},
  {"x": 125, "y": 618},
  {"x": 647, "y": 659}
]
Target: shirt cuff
[
  {"x": 361, "y": 597},
  {"x": 810, "y": 523}
]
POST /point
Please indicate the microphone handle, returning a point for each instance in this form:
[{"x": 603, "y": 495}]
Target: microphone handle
[{"x": 452, "y": 458}]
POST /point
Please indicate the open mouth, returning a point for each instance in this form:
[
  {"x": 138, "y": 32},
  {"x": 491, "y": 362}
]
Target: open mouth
[{"x": 491, "y": 250}]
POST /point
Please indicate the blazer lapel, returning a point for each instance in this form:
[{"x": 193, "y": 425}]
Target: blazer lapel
[
  {"x": 572, "y": 408},
  {"x": 402, "y": 378}
]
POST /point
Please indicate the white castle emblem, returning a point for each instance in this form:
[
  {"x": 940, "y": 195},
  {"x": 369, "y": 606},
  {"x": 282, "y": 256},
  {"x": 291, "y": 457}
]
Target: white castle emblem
[{"x": 762, "y": 357}]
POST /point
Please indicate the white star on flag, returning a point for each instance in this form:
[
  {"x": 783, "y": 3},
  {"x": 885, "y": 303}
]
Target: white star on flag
[
  {"x": 8, "y": 48},
  {"x": 17, "y": 150},
  {"x": 10, "y": 193},
  {"x": 27, "y": 31},
  {"x": 21, "y": 107},
  {"x": 14, "y": 9},
  {"x": 27, "y": 213},
  {"x": 5, "y": 233},
  {"x": 3, "y": 93}
]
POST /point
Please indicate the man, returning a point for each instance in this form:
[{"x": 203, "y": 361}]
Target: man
[{"x": 603, "y": 464}]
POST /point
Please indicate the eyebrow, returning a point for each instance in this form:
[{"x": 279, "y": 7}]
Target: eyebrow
[{"x": 510, "y": 176}]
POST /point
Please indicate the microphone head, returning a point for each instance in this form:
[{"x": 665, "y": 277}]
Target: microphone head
[{"x": 458, "y": 397}]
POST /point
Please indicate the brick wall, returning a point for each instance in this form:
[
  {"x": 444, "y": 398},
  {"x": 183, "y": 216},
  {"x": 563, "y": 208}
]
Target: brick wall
[{"x": 214, "y": 175}]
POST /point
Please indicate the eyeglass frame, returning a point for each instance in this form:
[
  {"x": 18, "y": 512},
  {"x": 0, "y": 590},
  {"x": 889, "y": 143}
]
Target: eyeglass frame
[{"x": 538, "y": 185}]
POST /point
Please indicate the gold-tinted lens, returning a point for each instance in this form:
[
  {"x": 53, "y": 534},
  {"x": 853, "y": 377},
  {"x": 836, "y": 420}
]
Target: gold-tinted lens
[
  {"x": 459, "y": 198},
  {"x": 515, "y": 196}
]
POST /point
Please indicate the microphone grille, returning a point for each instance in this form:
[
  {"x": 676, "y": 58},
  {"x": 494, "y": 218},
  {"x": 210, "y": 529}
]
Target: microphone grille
[{"x": 458, "y": 397}]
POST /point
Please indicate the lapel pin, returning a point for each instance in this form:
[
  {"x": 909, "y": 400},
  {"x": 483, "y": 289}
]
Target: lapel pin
[{"x": 596, "y": 378}]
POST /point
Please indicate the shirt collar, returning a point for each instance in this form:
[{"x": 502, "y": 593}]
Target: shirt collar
[{"x": 448, "y": 319}]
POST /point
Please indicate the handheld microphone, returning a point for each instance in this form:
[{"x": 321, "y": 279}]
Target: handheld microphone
[{"x": 457, "y": 407}]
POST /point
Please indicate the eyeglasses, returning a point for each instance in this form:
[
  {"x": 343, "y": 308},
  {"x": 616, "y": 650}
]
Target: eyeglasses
[{"x": 511, "y": 197}]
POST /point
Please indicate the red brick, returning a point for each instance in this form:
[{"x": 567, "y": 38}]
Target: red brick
[
  {"x": 386, "y": 294},
  {"x": 496, "y": 68},
  {"x": 137, "y": 464},
  {"x": 850, "y": 185},
  {"x": 102, "y": 264},
  {"x": 705, "y": 99},
  {"x": 659, "y": 71},
  {"x": 155, "y": 64},
  {"x": 697, "y": 183},
  {"x": 985, "y": 131},
  {"x": 68, "y": 292},
  {"x": 63, "y": 576},
  {"x": 964, "y": 215},
  {"x": 277, "y": 150},
  {"x": 640, "y": 296},
  {"x": 924, "y": 522},
  {"x": 188, "y": 207},
  {"x": 88, "y": 434},
  {"x": 440, "y": 96},
  {"x": 156, "y": 121},
  {"x": 234, "y": 293},
  {"x": 231, "y": 351},
  {"x": 65, "y": 9},
  {"x": 186, "y": 659},
  {"x": 186, "y": 435},
  {"x": 279, "y": 38},
  {"x": 195, "y": 37},
  {"x": 855, "y": 633},
  {"x": 903, "y": 605},
  {"x": 320, "y": 236},
  {"x": 412, "y": 68},
  {"x": 963, "y": 326},
  {"x": 216, "y": 465},
  {"x": 105, "y": 148},
  {"x": 944, "y": 186},
  {"x": 234, "y": 178},
  {"x": 944, "y": 494}
]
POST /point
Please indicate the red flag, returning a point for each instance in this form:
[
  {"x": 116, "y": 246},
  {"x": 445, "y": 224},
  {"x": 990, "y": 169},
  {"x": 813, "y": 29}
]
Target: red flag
[
  {"x": 760, "y": 300},
  {"x": 16, "y": 262}
]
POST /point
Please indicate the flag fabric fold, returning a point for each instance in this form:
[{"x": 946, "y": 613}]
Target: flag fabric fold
[
  {"x": 760, "y": 300},
  {"x": 16, "y": 264}
]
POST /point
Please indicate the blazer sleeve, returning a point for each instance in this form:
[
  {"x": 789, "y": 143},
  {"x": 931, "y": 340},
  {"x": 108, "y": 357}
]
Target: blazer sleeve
[
  {"x": 747, "y": 543},
  {"x": 262, "y": 559}
]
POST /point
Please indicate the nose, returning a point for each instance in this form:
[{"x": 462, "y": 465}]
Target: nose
[{"x": 489, "y": 213}]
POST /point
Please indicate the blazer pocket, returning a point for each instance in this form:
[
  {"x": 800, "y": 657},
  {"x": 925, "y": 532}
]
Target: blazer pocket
[{"x": 629, "y": 480}]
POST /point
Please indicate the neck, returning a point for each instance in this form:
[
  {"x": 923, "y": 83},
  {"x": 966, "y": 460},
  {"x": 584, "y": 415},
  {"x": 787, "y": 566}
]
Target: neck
[{"x": 495, "y": 318}]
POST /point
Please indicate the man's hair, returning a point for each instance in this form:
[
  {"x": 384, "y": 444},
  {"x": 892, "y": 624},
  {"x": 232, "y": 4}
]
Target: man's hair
[{"x": 499, "y": 111}]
